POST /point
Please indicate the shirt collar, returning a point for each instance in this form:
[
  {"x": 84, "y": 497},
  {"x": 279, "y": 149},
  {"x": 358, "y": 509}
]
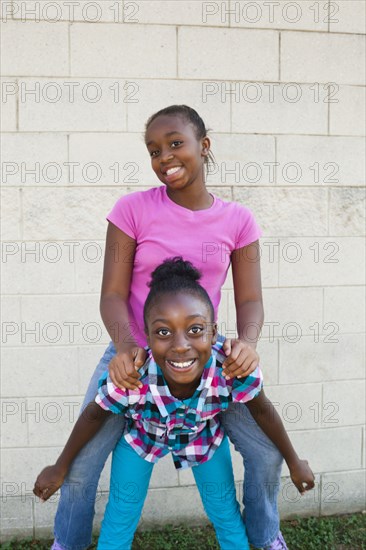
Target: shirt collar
[{"x": 165, "y": 401}]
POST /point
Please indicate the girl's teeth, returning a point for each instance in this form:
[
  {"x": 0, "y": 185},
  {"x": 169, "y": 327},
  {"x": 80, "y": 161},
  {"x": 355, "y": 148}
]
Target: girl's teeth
[
  {"x": 172, "y": 170},
  {"x": 182, "y": 365}
]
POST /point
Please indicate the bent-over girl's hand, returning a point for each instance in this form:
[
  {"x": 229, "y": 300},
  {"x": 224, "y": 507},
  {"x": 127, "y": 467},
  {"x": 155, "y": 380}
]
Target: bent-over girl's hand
[
  {"x": 302, "y": 476},
  {"x": 124, "y": 366},
  {"x": 241, "y": 359},
  {"x": 48, "y": 482}
]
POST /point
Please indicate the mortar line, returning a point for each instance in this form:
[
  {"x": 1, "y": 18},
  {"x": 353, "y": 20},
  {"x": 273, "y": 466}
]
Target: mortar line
[
  {"x": 279, "y": 55},
  {"x": 69, "y": 46}
]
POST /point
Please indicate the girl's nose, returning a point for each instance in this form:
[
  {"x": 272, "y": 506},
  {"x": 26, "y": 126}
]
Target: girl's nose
[
  {"x": 166, "y": 156},
  {"x": 181, "y": 344}
]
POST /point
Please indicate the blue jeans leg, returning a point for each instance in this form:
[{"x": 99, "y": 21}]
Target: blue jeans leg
[
  {"x": 75, "y": 512},
  {"x": 263, "y": 463},
  {"x": 215, "y": 481},
  {"x": 130, "y": 477}
]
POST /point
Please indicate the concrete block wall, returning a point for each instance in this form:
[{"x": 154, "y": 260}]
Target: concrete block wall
[{"x": 281, "y": 85}]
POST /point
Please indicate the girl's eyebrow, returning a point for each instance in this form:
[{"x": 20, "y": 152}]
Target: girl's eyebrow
[
  {"x": 165, "y": 135},
  {"x": 188, "y": 317}
]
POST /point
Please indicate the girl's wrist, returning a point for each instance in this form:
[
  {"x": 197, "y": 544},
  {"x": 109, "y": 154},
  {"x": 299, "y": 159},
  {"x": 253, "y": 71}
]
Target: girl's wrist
[
  {"x": 292, "y": 461},
  {"x": 62, "y": 466}
]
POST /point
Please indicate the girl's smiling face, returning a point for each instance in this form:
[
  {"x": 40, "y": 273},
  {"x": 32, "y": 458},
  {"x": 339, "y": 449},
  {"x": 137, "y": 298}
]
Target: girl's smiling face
[
  {"x": 180, "y": 333},
  {"x": 177, "y": 156}
]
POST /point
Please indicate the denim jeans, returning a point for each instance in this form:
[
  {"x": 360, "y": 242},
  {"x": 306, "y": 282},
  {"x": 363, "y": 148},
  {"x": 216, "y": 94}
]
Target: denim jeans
[
  {"x": 130, "y": 478},
  {"x": 262, "y": 461}
]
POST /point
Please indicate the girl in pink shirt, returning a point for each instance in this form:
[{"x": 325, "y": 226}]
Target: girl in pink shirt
[{"x": 180, "y": 217}]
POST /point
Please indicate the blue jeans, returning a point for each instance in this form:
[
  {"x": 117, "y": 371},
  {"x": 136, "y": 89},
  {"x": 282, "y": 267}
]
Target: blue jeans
[
  {"x": 262, "y": 461},
  {"x": 130, "y": 478}
]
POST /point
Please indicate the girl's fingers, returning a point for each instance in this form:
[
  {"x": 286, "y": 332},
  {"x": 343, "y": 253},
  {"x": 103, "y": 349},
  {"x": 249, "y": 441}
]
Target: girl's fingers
[
  {"x": 124, "y": 377},
  {"x": 226, "y": 347},
  {"x": 140, "y": 358},
  {"x": 243, "y": 366},
  {"x": 246, "y": 370},
  {"x": 233, "y": 357}
]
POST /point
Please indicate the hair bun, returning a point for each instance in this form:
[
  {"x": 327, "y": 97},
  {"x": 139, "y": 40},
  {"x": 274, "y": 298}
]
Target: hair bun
[{"x": 172, "y": 268}]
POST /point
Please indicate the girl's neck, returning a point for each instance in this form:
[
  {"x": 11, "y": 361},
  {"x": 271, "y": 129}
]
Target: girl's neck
[
  {"x": 192, "y": 198},
  {"x": 183, "y": 391}
]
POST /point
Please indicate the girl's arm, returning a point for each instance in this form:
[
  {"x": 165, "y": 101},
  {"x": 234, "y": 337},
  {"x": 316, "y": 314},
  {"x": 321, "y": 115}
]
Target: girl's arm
[
  {"x": 269, "y": 420},
  {"x": 243, "y": 358},
  {"x": 118, "y": 265},
  {"x": 87, "y": 425}
]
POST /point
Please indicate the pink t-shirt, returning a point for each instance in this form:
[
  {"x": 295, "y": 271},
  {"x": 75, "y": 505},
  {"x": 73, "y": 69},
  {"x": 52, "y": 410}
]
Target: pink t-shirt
[{"x": 163, "y": 229}]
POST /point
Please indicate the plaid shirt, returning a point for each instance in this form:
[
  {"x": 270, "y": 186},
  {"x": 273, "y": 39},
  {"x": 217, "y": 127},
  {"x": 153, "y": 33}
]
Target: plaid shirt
[{"x": 159, "y": 423}]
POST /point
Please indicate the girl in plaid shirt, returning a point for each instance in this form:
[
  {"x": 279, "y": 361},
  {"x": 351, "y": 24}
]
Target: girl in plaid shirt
[{"x": 175, "y": 410}]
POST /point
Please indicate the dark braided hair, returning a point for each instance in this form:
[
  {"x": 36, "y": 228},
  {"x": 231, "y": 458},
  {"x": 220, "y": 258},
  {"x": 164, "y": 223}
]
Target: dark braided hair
[
  {"x": 172, "y": 276},
  {"x": 191, "y": 116}
]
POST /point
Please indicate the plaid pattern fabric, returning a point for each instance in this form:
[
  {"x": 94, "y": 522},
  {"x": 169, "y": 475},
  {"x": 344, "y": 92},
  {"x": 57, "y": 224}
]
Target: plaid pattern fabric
[{"x": 159, "y": 423}]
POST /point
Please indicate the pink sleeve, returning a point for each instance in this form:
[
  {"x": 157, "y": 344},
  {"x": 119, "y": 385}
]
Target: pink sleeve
[
  {"x": 248, "y": 229},
  {"x": 123, "y": 212}
]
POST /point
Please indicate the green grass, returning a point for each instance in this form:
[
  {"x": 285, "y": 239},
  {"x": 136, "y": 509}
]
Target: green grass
[{"x": 331, "y": 533}]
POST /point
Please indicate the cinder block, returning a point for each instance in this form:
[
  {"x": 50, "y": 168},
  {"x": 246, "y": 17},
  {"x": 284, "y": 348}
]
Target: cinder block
[
  {"x": 164, "y": 474},
  {"x": 223, "y": 312},
  {"x": 331, "y": 449},
  {"x": 10, "y": 215},
  {"x": 34, "y": 159},
  {"x": 32, "y": 48},
  {"x": 70, "y": 214},
  {"x": 291, "y": 314},
  {"x": 152, "y": 95},
  {"x": 89, "y": 266},
  {"x": 88, "y": 358},
  {"x": 121, "y": 159},
  {"x": 295, "y": 405},
  {"x": 292, "y": 504},
  {"x": 243, "y": 54},
  {"x": 228, "y": 284},
  {"x": 276, "y": 108},
  {"x": 345, "y": 403},
  {"x": 343, "y": 492},
  {"x": 316, "y": 261},
  {"x": 326, "y": 355},
  {"x": 348, "y": 16},
  {"x": 282, "y": 212},
  {"x": 39, "y": 371},
  {"x": 71, "y": 104},
  {"x": 268, "y": 360},
  {"x": 96, "y": 50},
  {"x": 344, "y": 306},
  {"x": 16, "y": 517},
  {"x": 329, "y": 161},
  {"x": 243, "y": 160},
  {"x": 347, "y": 211},
  {"x": 62, "y": 320},
  {"x": 171, "y": 12},
  {"x": 38, "y": 267},
  {"x": 11, "y": 320},
  {"x": 14, "y": 431},
  {"x": 323, "y": 57},
  {"x": 9, "y": 91},
  {"x": 297, "y": 16},
  {"x": 347, "y": 115},
  {"x": 13, "y": 471},
  {"x": 51, "y": 419}
]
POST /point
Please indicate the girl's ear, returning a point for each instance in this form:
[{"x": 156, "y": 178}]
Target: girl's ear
[
  {"x": 206, "y": 144},
  {"x": 214, "y": 333},
  {"x": 147, "y": 336}
]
